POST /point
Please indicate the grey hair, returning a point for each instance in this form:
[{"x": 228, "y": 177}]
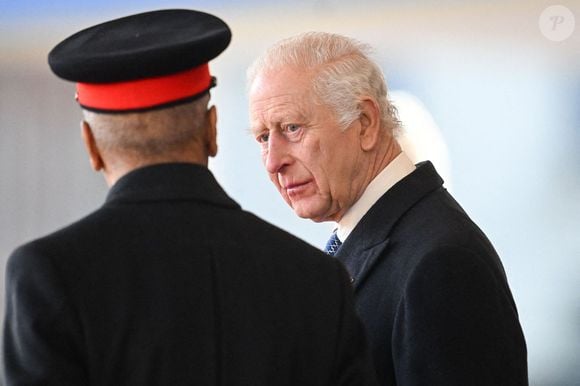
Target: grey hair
[
  {"x": 150, "y": 133},
  {"x": 343, "y": 72}
]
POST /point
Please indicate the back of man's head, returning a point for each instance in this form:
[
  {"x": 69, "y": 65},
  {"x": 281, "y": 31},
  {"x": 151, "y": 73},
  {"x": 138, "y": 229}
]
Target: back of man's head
[
  {"x": 150, "y": 135},
  {"x": 143, "y": 82}
]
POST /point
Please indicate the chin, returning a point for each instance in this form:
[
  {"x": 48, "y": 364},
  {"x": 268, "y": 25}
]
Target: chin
[
  {"x": 312, "y": 208},
  {"x": 302, "y": 213},
  {"x": 309, "y": 214}
]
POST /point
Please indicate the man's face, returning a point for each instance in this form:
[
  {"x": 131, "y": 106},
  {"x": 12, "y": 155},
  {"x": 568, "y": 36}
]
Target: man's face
[{"x": 316, "y": 166}]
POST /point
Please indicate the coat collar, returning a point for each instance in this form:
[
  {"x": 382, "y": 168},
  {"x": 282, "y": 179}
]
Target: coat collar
[
  {"x": 170, "y": 182},
  {"x": 363, "y": 248}
]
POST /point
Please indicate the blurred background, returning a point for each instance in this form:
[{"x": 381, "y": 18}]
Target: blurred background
[{"x": 489, "y": 90}]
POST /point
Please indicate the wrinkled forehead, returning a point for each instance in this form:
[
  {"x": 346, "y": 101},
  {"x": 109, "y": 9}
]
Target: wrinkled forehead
[
  {"x": 273, "y": 95},
  {"x": 281, "y": 80}
]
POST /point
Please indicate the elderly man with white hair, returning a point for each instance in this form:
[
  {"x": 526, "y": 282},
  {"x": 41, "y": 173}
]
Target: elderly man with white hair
[{"x": 429, "y": 286}]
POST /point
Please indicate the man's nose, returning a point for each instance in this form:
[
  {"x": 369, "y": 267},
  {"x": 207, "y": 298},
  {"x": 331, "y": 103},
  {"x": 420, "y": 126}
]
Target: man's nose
[{"x": 277, "y": 154}]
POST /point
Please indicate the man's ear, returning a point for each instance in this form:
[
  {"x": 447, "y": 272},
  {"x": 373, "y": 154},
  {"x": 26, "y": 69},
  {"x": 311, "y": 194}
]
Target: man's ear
[
  {"x": 211, "y": 132},
  {"x": 370, "y": 121},
  {"x": 91, "y": 146}
]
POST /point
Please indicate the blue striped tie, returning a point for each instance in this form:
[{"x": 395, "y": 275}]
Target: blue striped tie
[{"x": 333, "y": 244}]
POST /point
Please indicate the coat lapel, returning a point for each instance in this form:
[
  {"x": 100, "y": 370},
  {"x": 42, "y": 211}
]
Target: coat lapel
[
  {"x": 366, "y": 246},
  {"x": 368, "y": 259}
]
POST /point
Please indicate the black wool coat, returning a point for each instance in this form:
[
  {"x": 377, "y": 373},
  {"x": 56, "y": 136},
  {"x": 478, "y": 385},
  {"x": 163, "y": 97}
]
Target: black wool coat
[
  {"x": 432, "y": 292},
  {"x": 171, "y": 283}
]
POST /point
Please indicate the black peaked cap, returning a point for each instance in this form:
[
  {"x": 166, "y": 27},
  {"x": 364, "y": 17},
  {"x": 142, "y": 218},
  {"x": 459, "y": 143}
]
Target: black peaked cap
[{"x": 140, "y": 46}]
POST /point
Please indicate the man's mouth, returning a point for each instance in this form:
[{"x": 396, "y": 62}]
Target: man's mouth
[{"x": 296, "y": 188}]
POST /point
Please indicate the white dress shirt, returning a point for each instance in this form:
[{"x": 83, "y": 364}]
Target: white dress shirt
[{"x": 394, "y": 172}]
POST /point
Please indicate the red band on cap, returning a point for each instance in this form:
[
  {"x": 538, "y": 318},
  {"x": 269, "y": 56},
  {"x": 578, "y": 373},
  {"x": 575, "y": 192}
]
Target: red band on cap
[{"x": 144, "y": 93}]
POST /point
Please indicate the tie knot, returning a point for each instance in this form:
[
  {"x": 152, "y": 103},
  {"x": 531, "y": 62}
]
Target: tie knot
[{"x": 333, "y": 244}]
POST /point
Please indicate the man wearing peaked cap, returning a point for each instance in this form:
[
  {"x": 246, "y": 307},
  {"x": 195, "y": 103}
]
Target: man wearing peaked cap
[{"x": 170, "y": 282}]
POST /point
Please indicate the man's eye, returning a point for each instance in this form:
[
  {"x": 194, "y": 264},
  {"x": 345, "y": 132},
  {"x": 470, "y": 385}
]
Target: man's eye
[
  {"x": 262, "y": 138},
  {"x": 292, "y": 127}
]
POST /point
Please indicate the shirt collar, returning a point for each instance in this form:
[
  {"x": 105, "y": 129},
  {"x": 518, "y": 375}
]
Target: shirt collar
[{"x": 394, "y": 172}]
